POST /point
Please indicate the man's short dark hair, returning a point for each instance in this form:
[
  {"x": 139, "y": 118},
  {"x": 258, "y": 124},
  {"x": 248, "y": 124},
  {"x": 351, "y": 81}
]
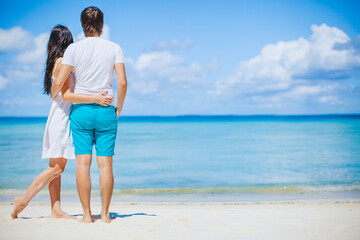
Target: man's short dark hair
[{"x": 92, "y": 21}]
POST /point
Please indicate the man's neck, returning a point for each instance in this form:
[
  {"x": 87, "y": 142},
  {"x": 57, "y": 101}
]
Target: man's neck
[{"x": 95, "y": 35}]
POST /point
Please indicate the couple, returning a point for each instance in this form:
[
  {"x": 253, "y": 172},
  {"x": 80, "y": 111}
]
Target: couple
[{"x": 92, "y": 118}]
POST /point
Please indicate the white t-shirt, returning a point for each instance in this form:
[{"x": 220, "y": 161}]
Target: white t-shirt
[{"x": 93, "y": 59}]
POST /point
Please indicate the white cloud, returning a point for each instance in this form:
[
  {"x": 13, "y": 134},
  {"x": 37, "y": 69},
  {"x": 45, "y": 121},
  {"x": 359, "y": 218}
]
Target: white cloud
[
  {"x": 285, "y": 64},
  {"x": 24, "y": 72},
  {"x": 79, "y": 37},
  {"x": 174, "y": 44},
  {"x": 145, "y": 87},
  {"x": 298, "y": 92},
  {"x": 36, "y": 54},
  {"x": 14, "y": 39},
  {"x": 29, "y": 62},
  {"x": 156, "y": 61},
  {"x": 163, "y": 65},
  {"x": 306, "y": 90},
  {"x": 167, "y": 75},
  {"x": 105, "y": 34},
  {"x": 3, "y": 81},
  {"x": 19, "y": 102},
  {"x": 329, "y": 99}
]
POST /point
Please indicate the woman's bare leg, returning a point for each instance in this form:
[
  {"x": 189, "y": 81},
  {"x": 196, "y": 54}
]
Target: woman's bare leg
[
  {"x": 54, "y": 190},
  {"x": 56, "y": 167}
]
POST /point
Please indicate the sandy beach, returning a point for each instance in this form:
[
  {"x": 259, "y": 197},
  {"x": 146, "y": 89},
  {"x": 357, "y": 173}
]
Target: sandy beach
[{"x": 294, "y": 219}]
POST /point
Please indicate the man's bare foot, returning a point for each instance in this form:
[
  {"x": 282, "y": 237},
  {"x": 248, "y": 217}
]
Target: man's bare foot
[
  {"x": 87, "y": 218},
  {"x": 19, "y": 205},
  {"x": 58, "y": 213},
  {"x": 105, "y": 217}
]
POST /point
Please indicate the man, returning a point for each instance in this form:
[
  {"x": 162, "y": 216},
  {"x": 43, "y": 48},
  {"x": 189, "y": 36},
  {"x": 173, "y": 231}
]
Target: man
[{"x": 93, "y": 60}]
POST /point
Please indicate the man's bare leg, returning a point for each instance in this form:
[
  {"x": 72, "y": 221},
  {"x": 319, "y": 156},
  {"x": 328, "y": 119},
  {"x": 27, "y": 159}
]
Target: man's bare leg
[
  {"x": 56, "y": 167},
  {"x": 106, "y": 185},
  {"x": 83, "y": 182}
]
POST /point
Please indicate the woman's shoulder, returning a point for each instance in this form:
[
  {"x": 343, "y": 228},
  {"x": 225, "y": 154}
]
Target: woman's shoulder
[
  {"x": 58, "y": 63},
  {"x": 57, "y": 66}
]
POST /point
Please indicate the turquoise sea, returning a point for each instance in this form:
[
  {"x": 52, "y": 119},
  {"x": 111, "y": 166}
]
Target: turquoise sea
[{"x": 204, "y": 154}]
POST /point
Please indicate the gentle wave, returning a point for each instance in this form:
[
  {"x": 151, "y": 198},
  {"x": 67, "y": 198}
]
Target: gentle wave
[
  {"x": 246, "y": 189},
  {"x": 266, "y": 189}
]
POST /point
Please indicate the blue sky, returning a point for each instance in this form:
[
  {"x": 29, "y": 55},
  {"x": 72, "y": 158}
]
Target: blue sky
[{"x": 199, "y": 57}]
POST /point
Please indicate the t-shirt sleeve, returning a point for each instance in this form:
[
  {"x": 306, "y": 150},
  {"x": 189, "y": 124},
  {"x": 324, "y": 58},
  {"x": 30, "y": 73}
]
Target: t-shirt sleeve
[
  {"x": 68, "y": 57},
  {"x": 119, "y": 58}
]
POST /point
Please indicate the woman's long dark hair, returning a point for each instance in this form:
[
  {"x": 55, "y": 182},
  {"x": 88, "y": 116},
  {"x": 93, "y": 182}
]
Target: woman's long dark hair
[{"x": 60, "y": 39}]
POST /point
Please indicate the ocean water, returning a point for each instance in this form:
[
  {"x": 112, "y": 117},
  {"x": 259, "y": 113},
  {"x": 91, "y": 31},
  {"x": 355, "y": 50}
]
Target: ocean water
[{"x": 204, "y": 154}]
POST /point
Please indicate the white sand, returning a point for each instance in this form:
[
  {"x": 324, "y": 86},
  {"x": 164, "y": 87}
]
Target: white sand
[{"x": 226, "y": 221}]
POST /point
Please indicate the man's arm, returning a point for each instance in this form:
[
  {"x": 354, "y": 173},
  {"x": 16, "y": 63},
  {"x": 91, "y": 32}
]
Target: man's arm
[
  {"x": 122, "y": 86},
  {"x": 60, "y": 80},
  {"x": 83, "y": 98}
]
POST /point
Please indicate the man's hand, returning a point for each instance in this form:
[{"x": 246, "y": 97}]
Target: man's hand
[{"x": 103, "y": 100}]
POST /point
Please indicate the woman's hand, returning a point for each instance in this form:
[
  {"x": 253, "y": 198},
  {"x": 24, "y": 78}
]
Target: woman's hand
[{"x": 101, "y": 99}]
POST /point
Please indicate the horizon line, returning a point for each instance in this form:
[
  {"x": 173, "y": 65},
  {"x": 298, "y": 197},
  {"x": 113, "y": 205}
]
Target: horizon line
[{"x": 218, "y": 115}]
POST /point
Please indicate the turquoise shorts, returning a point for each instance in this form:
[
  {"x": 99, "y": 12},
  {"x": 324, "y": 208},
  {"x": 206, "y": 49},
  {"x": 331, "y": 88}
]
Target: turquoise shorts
[{"x": 93, "y": 124}]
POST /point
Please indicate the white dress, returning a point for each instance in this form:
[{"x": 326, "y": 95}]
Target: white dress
[{"x": 58, "y": 140}]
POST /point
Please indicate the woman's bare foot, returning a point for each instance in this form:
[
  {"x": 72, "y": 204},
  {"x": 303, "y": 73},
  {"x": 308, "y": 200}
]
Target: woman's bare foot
[
  {"x": 58, "y": 213},
  {"x": 19, "y": 205},
  {"x": 105, "y": 217}
]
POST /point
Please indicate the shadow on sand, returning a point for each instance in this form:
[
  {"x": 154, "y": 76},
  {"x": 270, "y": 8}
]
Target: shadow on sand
[{"x": 114, "y": 215}]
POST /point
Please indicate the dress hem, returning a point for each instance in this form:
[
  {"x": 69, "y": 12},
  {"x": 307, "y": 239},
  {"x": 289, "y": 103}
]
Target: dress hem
[{"x": 64, "y": 152}]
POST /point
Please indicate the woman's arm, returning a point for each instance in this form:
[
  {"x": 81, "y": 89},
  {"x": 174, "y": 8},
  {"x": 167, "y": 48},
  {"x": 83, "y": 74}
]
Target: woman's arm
[
  {"x": 82, "y": 98},
  {"x": 63, "y": 73},
  {"x": 122, "y": 86}
]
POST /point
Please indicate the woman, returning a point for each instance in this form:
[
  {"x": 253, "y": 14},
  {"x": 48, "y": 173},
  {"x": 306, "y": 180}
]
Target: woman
[{"x": 57, "y": 143}]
